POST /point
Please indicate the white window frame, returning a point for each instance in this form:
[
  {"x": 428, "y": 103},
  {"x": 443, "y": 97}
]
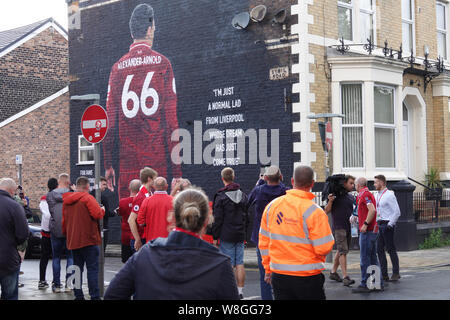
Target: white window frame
[
  {"x": 443, "y": 31},
  {"x": 356, "y": 20},
  {"x": 353, "y": 125},
  {"x": 84, "y": 148},
  {"x": 413, "y": 24},
  {"x": 388, "y": 126},
  {"x": 372, "y": 12},
  {"x": 352, "y": 8}
]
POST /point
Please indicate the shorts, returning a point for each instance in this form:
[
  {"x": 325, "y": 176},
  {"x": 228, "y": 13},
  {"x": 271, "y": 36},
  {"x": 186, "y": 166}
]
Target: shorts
[
  {"x": 343, "y": 239},
  {"x": 234, "y": 250}
]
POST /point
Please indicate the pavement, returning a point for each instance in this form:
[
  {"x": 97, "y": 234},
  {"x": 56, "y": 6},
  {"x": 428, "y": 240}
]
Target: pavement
[
  {"x": 410, "y": 261},
  {"x": 250, "y": 258}
]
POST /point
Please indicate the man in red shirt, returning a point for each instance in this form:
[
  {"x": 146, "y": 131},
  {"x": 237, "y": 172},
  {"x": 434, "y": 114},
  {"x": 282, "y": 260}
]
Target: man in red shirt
[
  {"x": 368, "y": 236},
  {"x": 147, "y": 176},
  {"x": 154, "y": 211},
  {"x": 124, "y": 210},
  {"x": 142, "y": 108}
]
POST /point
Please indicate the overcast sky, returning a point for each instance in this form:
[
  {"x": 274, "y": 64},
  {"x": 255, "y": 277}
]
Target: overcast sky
[{"x": 17, "y": 13}]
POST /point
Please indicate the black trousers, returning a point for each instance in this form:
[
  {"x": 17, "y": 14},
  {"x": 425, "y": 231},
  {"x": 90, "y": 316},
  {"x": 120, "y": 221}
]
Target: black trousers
[
  {"x": 298, "y": 288},
  {"x": 385, "y": 242},
  {"x": 46, "y": 251},
  {"x": 126, "y": 252}
]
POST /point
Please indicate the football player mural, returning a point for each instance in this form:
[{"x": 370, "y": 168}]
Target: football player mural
[{"x": 142, "y": 108}]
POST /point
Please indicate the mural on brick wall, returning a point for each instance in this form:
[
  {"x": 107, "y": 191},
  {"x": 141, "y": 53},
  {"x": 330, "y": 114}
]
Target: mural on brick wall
[{"x": 186, "y": 92}]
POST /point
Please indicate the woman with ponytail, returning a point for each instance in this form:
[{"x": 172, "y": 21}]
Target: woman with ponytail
[{"x": 181, "y": 266}]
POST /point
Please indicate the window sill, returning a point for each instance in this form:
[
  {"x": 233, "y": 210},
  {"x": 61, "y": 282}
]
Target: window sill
[{"x": 85, "y": 163}]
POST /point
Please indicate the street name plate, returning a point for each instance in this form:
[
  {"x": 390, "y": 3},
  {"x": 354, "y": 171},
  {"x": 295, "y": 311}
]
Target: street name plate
[{"x": 279, "y": 73}]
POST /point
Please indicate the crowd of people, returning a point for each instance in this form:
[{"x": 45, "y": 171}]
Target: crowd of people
[{"x": 183, "y": 246}]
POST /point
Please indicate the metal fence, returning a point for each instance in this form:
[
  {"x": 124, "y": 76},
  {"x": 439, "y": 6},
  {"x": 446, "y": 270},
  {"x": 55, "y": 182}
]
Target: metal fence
[{"x": 427, "y": 209}]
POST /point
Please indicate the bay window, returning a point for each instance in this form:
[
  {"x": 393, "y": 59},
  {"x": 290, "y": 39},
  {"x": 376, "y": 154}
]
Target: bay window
[
  {"x": 384, "y": 127},
  {"x": 352, "y": 126}
]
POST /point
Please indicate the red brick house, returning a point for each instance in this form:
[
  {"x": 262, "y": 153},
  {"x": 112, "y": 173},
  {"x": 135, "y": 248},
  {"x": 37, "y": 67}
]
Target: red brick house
[{"x": 34, "y": 104}]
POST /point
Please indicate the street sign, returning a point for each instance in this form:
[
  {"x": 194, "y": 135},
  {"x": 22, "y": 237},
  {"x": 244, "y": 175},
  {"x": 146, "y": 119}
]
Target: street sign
[
  {"x": 18, "y": 159},
  {"x": 94, "y": 124},
  {"x": 328, "y": 136}
]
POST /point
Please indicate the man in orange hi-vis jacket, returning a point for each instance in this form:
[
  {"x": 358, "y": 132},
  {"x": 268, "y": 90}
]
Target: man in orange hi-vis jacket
[{"x": 294, "y": 239}]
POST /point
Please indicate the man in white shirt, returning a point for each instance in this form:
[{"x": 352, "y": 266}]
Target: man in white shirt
[{"x": 388, "y": 213}]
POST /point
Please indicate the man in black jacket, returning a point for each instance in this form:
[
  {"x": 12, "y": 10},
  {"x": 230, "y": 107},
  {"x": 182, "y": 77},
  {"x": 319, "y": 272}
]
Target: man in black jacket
[
  {"x": 230, "y": 208},
  {"x": 13, "y": 231},
  {"x": 107, "y": 200}
]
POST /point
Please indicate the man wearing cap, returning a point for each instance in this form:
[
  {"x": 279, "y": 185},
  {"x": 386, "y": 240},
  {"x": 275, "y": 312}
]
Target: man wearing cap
[
  {"x": 142, "y": 108},
  {"x": 268, "y": 188}
]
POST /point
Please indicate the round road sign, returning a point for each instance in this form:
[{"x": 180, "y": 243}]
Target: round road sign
[{"x": 94, "y": 124}]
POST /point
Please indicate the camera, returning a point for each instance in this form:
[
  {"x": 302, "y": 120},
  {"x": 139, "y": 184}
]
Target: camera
[{"x": 335, "y": 185}]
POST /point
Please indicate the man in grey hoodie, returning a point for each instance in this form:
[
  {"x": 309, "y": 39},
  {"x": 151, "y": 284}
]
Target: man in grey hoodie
[{"x": 58, "y": 240}]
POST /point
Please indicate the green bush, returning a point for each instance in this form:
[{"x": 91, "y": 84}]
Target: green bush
[{"x": 435, "y": 240}]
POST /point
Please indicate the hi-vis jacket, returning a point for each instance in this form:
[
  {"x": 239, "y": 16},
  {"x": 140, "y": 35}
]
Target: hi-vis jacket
[{"x": 295, "y": 235}]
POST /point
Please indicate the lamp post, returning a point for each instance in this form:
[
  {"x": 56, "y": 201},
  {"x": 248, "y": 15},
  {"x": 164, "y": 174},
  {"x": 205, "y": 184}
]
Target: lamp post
[
  {"x": 326, "y": 149},
  {"x": 95, "y": 98}
]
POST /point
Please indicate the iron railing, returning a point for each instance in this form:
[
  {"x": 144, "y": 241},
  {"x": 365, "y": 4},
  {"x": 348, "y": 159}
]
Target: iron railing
[{"x": 428, "y": 209}]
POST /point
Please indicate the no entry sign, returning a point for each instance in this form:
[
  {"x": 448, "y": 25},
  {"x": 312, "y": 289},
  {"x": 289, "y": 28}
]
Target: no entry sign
[{"x": 94, "y": 124}]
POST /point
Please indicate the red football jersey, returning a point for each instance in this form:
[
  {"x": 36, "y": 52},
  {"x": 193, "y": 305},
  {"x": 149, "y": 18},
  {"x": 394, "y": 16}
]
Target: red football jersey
[
  {"x": 125, "y": 206},
  {"x": 364, "y": 198},
  {"x": 141, "y": 107},
  {"x": 153, "y": 213},
  {"x": 136, "y": 206}
]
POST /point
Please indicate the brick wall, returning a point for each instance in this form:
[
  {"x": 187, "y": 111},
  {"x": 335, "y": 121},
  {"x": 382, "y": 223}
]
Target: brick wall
[
  {"x": 42, "y": 138},
  {"x": 426, "y": 33},
  {"x": 389, "y": 22},
  {"x": 322, "y": 104},
  {"x": 325, "y": 18},
  {"x": 440, "y": 134},
  {"x": 33, "y": 71},
  {"x": 29, "y": 74}
]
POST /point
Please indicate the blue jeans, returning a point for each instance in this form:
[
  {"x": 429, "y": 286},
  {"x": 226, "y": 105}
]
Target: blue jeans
[
  {"x": 266, "y": 289},
  {"x": 88, "y": 255},
  {"x": 58, "y": 248},
  {"x": 368, "y": 254},
  {"x": 10, "y": 286}
]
